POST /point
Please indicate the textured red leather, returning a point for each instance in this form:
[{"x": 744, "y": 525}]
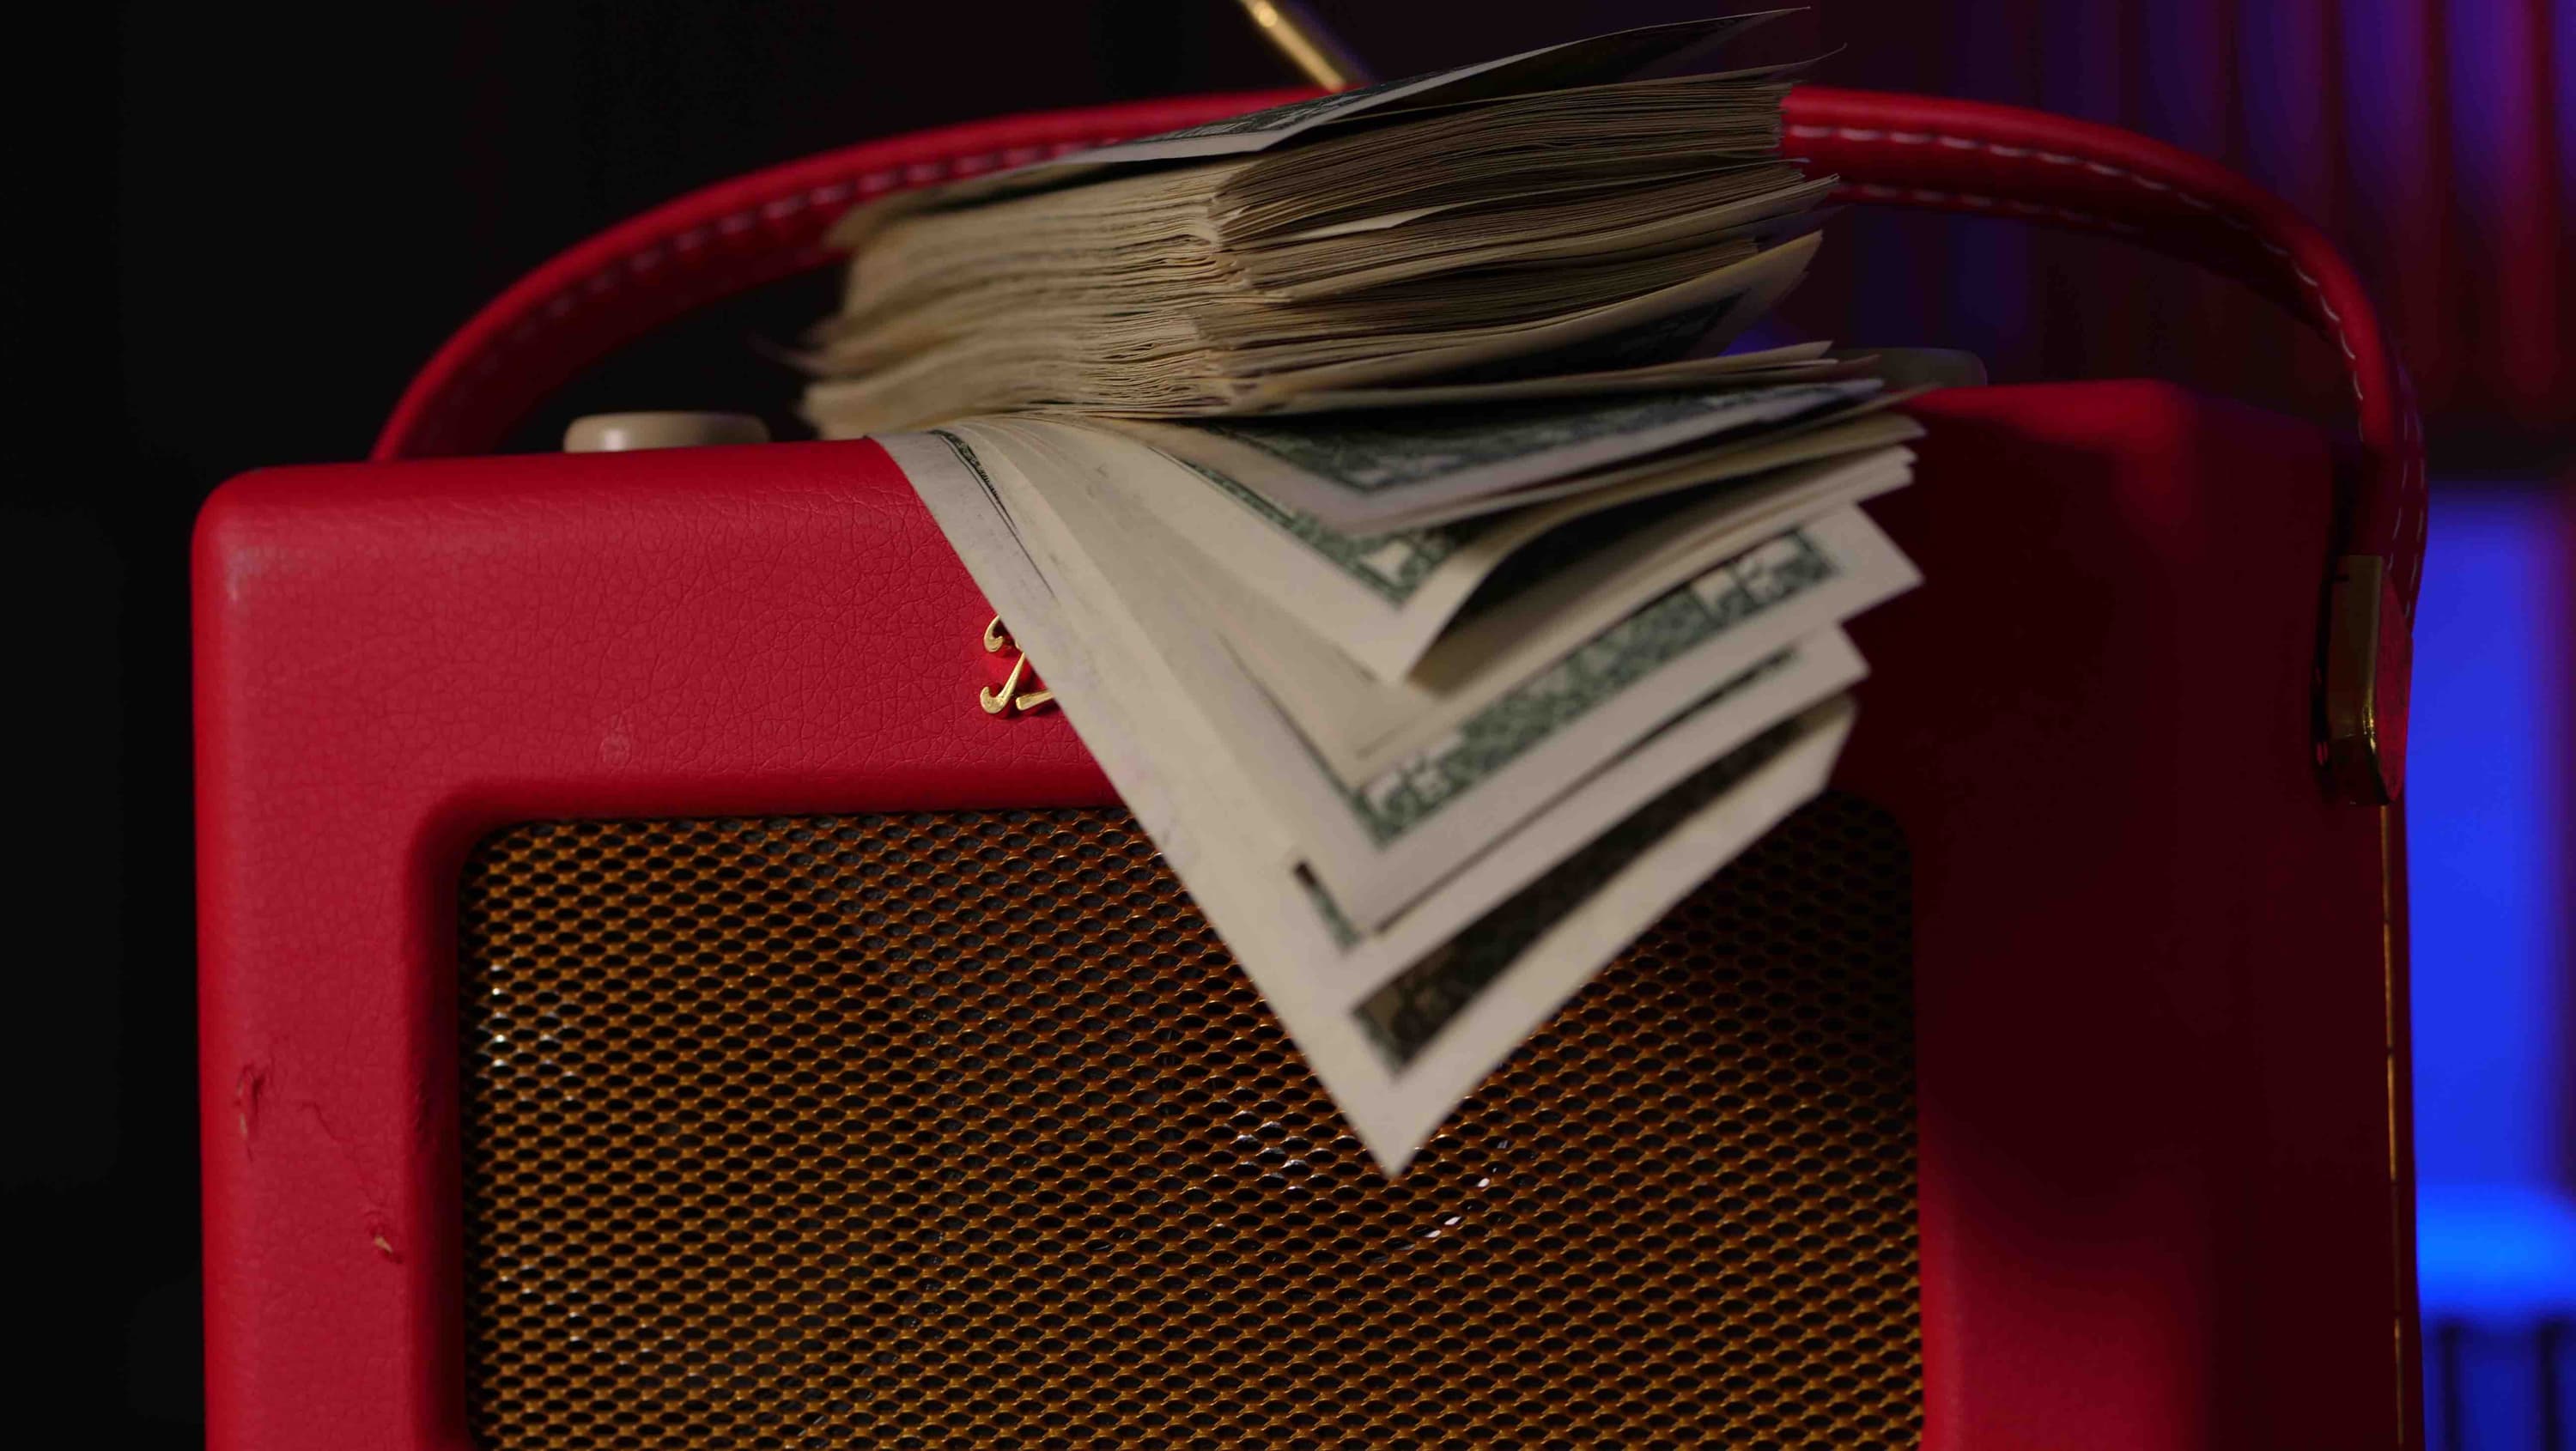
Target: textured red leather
[
  {"x": 2162, "y": 1190},
  {"x": 2157, "y": 1203},
  {"x": 392, "y": 660},
  {"x": 2161, "y": 1200}
]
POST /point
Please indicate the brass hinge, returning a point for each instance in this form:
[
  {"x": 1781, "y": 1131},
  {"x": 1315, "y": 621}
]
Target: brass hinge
[{"x": 2369, "y": 662}]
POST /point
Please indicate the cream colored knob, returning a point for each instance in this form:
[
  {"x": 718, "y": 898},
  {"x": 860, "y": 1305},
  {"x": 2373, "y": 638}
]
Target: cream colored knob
[{"x": 621, "y": 432}]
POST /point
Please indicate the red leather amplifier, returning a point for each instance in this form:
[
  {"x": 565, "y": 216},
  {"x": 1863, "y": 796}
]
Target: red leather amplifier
[{"x": 647, "y": 1003}]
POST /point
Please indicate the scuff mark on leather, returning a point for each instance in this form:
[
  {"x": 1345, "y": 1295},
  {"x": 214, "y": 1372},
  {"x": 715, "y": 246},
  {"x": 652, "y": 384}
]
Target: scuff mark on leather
[
  {"x": 247, "y": 1087},
  {"x": 371, "y": 1198},
  {"x": 244, "y": 564}
]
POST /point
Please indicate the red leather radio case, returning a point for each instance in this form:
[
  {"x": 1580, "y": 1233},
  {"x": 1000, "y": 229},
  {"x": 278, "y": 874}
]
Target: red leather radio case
[{"x": 2163, "y": 1154}]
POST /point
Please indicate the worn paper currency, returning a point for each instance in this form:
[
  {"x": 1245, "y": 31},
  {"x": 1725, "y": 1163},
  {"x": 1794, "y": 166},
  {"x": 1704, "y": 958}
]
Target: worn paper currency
[{"x": 1366, "y": 479}]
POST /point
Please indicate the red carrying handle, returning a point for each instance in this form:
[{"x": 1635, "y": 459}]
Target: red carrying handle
[
  {"x": 1888, "y": 149},
  {"x": 1966, "y": 156},
  {"x": 713, "y": 244}
]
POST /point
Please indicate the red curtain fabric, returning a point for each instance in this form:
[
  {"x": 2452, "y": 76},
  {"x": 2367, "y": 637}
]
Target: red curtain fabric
[{"x": 2431, "y": 138}]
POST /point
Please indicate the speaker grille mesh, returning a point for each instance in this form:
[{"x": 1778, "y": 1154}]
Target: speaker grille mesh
[{"x": 964, "y": 1129}]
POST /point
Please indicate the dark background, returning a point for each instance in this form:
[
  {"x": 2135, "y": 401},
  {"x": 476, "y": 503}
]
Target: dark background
[{"x": 298, "y": 205}]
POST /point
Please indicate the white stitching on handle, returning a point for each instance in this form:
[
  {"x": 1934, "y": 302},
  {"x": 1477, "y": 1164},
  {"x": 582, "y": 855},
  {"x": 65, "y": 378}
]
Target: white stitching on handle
[
  {"x": 1928, "y": 197},
  {"x": 1864, "y": 134},
  {"x": 2410, "y": 461}
]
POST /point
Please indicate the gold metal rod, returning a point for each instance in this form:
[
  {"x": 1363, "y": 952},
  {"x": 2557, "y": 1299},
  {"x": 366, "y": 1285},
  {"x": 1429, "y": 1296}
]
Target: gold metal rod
[{"x": 1308, "y": 45}]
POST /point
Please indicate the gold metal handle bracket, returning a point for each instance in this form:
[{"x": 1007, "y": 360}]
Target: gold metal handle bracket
[{"x": 2368, "y": 660}]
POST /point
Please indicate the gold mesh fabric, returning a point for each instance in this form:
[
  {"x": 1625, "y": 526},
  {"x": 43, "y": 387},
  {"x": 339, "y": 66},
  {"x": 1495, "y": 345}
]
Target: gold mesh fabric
[{"x": 964, "y": 1130}]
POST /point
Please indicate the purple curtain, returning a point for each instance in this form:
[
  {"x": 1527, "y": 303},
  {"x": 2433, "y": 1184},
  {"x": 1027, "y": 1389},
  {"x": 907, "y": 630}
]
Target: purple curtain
[{"x": 2434, "y": 139}]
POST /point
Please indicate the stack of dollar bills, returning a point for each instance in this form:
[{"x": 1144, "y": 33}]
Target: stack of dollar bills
[{"x": 1367, "y": 483}]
